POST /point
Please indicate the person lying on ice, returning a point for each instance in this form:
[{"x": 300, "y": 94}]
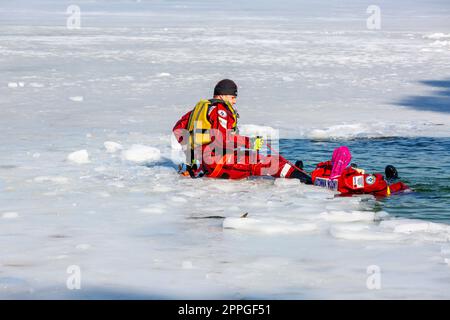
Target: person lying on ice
[
  {"x": 339, "y": 175},
  {"x": 209, "y": 136}
]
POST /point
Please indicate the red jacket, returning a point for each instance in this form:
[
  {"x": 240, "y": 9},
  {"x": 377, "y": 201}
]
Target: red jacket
[
  {"x": 353, "y": 182},
  {"x": 222, "y": 119}
]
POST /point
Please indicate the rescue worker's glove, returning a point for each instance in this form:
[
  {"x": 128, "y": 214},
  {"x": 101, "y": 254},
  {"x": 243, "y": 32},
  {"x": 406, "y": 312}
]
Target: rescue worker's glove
[{"x": 257, "y": 143}]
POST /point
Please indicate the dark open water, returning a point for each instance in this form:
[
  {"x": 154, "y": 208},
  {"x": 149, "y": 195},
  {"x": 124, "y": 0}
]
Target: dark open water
[{"x": 422, "y": 163}]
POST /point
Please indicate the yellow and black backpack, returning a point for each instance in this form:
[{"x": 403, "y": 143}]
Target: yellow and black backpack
[{"x": 199, "y": 126}]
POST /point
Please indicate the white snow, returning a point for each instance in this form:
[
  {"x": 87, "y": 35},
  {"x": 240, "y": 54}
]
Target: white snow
[
  {"x": 343, "y": 216},
  {"x": 112, "y": 146},
  {"x": 421, "y": 226},
  {"x": 80, "y": 157},
  {"x": 252, "y": 130},
  {"x": 53, "y": 179},
  {"x": 305, "y": 68},
  {"x": 270, "y": 226},
  {"x": 77, "y": 98},
  {"x": 350, "y": 225},
  {"x": 361, "y": 233},
  {"x": 438, "y": 36},
  {"x": 83, "y": 246},
  {"x": 141, "y": 154},
  {"x": 368, "y": 130},
  {"x": 37, "y": 85},
  {"x": 187, "y": 265},
  {"x": 10, "y": 215}
]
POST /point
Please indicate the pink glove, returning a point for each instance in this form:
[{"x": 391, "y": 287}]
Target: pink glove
[{"x": 340, "y": 160}]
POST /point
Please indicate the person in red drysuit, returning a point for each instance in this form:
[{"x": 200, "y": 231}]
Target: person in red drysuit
[
  {"x": 351, "y": 180},
  {"x": 222, "y": 152}
]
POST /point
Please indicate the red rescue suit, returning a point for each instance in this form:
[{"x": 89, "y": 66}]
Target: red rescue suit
[
  {"x": 353, "y": 181},
  {"x": 236, "y": 162}
]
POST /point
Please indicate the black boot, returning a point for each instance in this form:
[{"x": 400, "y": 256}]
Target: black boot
[
  {"x": 303, "y": 177},
  {"x": 391, "y": 173},
  {"x": 299, "y": 164}
]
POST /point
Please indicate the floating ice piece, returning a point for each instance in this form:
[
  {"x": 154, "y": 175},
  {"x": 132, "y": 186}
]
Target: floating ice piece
[
  {"x": 412, "y": 226},
  {"x": 437, "y": 36},
  {"x": 164, "y": 74},
  {"x": 79, "y": 157},
  {"x": 439, "y": 43},
  {"x": 224, "y": 186},
  {"x": 112, "y": 147},
  {"x": 339, "y": 131},
  {"x": 343, "y": 216},
  {"x": 271, "y": 226},
  {"x": 141, "y": 154},
  {"x": 421, "y": 227},
  {"x": 281, "y": 182},
  {"x": 319, "y": 194},
  {"x": 77, "y": 98},
  {"x": 362, "y": 130},
  {"x": 253, "y": 130},
  {"x": 54, "y": 179},
  {"x": 361, "y": 232},
  {"x": 10, "y": 215},
  {"x": 13, "y": 84}
]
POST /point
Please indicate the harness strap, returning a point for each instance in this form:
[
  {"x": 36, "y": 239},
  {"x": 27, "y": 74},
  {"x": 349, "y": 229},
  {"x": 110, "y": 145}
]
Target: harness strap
[{"x": 219, "y": 166}]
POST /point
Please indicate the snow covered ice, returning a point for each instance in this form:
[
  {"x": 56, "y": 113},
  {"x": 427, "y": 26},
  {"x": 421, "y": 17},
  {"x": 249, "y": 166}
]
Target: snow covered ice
[
  {"x": 80, "y": 157},
  {"x": 141, "y": 154},
  {"x": 87, "y": 176}
]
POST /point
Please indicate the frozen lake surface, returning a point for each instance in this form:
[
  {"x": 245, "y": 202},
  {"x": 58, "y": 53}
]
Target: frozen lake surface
[{"x": 87, "y": 172}]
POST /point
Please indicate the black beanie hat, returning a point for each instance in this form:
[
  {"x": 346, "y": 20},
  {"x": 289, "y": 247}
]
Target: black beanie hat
[{"x": 225, "y": 87}]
